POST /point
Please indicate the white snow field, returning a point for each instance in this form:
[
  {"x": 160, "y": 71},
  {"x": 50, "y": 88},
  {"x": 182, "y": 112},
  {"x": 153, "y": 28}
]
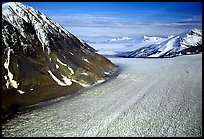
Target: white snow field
[{"x": 149, "y": 97}]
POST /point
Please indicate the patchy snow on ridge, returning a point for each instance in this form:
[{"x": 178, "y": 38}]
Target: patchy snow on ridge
[{"x": 17, "y": 14}]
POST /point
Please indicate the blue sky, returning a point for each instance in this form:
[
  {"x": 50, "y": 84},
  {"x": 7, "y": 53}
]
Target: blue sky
[{"x": 123, "y": 18}]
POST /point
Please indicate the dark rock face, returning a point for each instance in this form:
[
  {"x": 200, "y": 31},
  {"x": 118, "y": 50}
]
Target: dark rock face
[
  {"x": 42, "y": 61},
  {"x": 192, "y": 50}
]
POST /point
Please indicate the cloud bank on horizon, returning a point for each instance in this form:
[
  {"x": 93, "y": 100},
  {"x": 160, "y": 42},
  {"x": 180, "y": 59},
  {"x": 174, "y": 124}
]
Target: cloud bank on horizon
[{"x": 123, "y": 18}]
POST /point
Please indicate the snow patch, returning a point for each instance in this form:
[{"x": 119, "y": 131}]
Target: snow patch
[
  {"x": 70, "y": 69},
  {"x": 21, "y": 92},
  {"x": 61, "y": 62},
  {"x": 83, "y": 73},
  {"x": 82, "y": 84},
  {"x": 48, "y": 50},
  {"x": 100, "y": 81},
  {"x": 67, "y": 81},
  {"x": 57, "y": 67},
  {"x": 5, "y": 77},
  {"x": 41, "y": 35},
  {"x": 107, "y": 73},
  {"x": 63, "y": 56},
  {"x": 10, "y": 81},
  {"x": 85, "y": 60}
]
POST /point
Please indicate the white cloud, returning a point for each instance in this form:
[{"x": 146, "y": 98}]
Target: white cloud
[{"x": 106, "y": 25}]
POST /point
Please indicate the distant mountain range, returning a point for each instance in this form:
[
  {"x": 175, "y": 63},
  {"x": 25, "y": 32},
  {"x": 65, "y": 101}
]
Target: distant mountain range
[
  {"x": 41, "y": 60},
  {"x": 188, "y": 42},
  {"x": 185, "y": 43}
]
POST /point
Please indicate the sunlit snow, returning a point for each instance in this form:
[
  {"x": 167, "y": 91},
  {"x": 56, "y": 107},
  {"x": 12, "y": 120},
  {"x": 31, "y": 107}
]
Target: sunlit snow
[
  {"x": 66, "y": 82},
  {"x": 21, "y": 92},
  {"x": 10, "y": 81}
]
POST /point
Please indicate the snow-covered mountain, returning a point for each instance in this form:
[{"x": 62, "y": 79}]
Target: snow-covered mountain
[
  {"x": 119, "y": 39},
  {"x": 115, "y": 45},
  {"x": 192, "y": 38},
  {"x": 148, "y": 38},
  {"x": 141, "y": 39},
  {"x": 41, "y": 60},
  {"x": 185, "y": 43}
]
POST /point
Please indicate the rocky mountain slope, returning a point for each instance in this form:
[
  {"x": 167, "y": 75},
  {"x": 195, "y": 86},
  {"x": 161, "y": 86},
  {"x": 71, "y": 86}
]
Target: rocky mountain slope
[{"x": 41, "y": 60}]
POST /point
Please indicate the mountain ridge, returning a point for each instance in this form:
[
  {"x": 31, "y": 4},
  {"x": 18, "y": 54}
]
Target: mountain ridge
[{"x": 42, "y": 61}]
